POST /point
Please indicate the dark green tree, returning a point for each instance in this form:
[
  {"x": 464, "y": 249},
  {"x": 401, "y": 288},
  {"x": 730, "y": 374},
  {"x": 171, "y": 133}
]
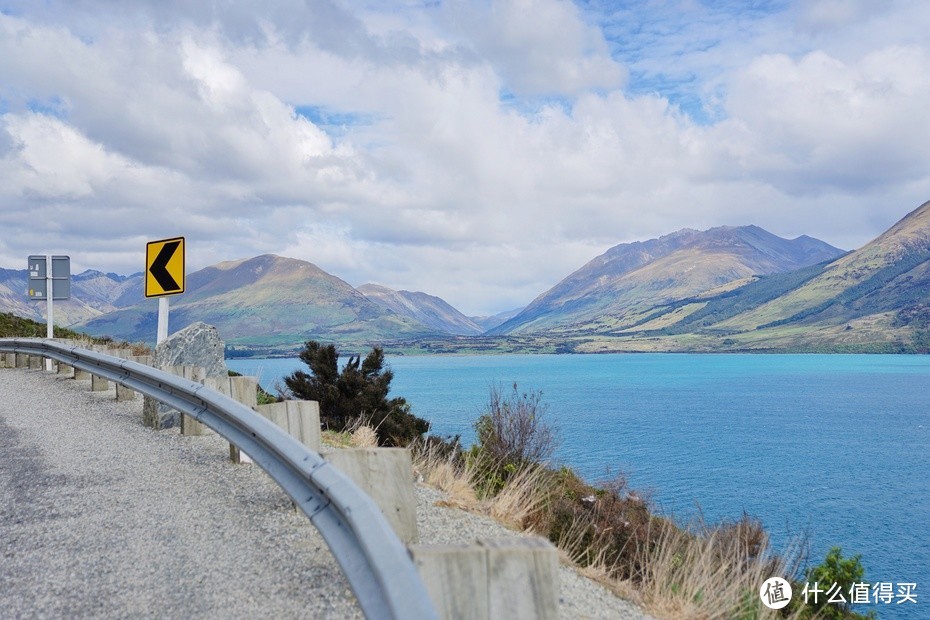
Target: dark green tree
[{"x": 359, "y": 391}]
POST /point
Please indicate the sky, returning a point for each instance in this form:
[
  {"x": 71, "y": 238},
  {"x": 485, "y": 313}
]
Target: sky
[{"x": 476, "y": 150}]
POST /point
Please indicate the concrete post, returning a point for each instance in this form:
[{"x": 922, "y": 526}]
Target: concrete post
[
  {"x": 300, "y": 418},
  {"x": 189, "y": 426},
  {"x": 496, "y": 578},
  {"x": 386, "y": 475},
  {"x": 125, "y": 393},
  {"x": 64, "y": 369},
  {"x": 35, "y": 362},
  {"x": 244, "y": 390},
  {"x": 100, "y": 384}
]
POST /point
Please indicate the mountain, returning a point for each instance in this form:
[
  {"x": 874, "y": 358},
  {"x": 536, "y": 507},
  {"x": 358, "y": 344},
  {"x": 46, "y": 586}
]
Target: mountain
[
  {"x": 490, "y": 322},
  {"x": 426, "y": 309},
  {"x": 877, "y": 294},
  {"x": 266, "y": 301},
  {"x": 629, "y": 281},
  {"x": 92, "y": 294}
]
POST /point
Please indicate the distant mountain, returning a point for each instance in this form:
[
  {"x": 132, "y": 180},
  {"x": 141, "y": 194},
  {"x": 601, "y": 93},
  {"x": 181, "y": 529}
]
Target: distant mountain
[
  {"x": 426, "y": 309},
  {"x": 92, "y": 293},
  {"x": 617, "y": 289},
  {"x": 490, "y": 322},
  {"x": 266, "y": 301},
  {"x": 877, "y": 294}
]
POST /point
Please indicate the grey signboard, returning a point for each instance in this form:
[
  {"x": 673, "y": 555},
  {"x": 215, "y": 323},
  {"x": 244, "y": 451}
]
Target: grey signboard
[{"x": 61, "y": 277}]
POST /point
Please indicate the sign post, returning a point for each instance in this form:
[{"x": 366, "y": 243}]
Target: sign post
[
  {"x": 164, "y": 276},
  {"x": 49, "y": 279}
]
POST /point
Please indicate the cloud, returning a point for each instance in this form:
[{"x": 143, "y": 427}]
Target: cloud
[
  {"x": 818, "y": 123},
  {"x": 539, "y": 47},
  {"x": 479, "y": 151}
]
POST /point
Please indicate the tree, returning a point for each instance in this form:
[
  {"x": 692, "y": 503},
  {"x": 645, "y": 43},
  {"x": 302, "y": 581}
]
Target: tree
[{"x": 359, "y": 392}]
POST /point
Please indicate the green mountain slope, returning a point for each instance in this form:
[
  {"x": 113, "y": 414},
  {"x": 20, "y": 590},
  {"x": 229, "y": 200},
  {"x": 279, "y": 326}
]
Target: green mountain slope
[
  {"x": 626, "y": 284},
  {"x": 266, "y": 301},
  {"x": 876, "y": 299}
]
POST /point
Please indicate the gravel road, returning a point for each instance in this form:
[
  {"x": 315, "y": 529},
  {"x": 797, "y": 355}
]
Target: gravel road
[{"x": 102, "y": 517}]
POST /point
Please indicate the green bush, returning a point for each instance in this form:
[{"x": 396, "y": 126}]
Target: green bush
[
  {"x": 357, "y": 394},
  {"x": 511, "y": 435},
  {"x": 835, "y": 569}
]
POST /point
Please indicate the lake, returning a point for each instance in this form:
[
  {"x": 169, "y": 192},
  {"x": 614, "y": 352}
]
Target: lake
[{"x": 835, "y": 446}]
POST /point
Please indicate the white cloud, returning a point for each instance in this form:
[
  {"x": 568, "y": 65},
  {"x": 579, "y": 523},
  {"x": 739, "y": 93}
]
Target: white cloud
[{"x": 133, "y": 122}]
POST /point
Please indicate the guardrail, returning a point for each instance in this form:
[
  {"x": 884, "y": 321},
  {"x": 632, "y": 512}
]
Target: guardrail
[{"x": 372, "y": 557}]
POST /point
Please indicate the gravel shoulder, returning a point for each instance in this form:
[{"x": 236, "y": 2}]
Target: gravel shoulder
[{"x": 101, "y": 516}]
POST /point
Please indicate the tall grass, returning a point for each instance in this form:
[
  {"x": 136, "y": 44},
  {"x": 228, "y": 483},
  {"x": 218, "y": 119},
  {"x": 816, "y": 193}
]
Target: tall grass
[{"x": 610, "y": 532}]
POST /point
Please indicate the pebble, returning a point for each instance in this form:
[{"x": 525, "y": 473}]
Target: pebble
[{"x": 101, "y": 516}]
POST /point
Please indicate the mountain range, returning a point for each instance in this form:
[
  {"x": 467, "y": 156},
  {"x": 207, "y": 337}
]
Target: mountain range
[{"x": 728, "y": 288}]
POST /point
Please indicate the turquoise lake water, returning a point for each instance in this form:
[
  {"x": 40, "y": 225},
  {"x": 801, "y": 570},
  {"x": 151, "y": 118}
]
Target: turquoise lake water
[{"x": 835, "y": 446}]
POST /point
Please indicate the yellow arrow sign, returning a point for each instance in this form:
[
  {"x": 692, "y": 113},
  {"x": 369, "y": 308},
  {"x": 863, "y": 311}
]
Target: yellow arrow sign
[{"x": 164, "y": 267}]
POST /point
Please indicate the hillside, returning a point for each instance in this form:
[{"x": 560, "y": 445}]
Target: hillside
[
  {"x": 92, "y": 293},
  {"x": 876, "y": 298},
  {"x": 266, "y": 301},
  {"x": 628, "y": 282},
  {"x": 429, "y": 310}
]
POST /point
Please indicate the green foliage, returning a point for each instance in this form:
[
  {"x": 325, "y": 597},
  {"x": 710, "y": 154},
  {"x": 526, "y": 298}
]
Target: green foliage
[
  {"x": 358, "y": 393},
  {"x": 12, "y": 326},
  {"x": 835, "y": 569},
  {"x": 511, "y": 435}
]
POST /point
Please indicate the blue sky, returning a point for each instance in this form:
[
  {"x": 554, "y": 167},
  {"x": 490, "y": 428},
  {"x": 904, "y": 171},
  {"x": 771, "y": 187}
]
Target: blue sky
[{"x": 480, "y": 151}]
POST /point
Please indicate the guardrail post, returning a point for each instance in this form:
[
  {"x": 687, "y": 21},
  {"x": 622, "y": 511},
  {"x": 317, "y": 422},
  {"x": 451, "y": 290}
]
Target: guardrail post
[
  {"x": 125, "y": 393},
  {"x": 98, "y": 383},
  {"x": 189, "y": 426},
  {"x": 64, "y": 369},
  {"x": 386, "y": 475},
  {"x": 36, "y": 362},
  {"x": 300, "y": 418},
  {"x": 243, "y": 390},
  {"x": 514, "y": 577},
  {"x": 9, "y": 360}
]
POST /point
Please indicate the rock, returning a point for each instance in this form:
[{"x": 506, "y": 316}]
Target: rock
[{"x": 198, "y": 345}]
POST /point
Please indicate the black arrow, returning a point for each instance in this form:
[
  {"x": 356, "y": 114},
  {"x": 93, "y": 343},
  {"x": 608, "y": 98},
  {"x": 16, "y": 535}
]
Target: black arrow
[{"x": 159, "y": 268}]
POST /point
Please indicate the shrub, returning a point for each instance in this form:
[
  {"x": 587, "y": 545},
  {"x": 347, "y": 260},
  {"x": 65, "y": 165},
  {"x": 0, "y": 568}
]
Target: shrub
[
  {"x": 511, "y": 435},
  {"x": 358, "y": 393},
  {"x": 843, "y": 572}
]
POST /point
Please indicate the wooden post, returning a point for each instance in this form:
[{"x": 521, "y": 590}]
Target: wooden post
[
  {"x": 385, "y": 474},
  {"x": 514, "y": 577},
  {"x": 125, "y": 393},
  {"x": 243, "y": 390},
  {"x": 189, "y": 426},
  {"x": 300, "y": 418}
]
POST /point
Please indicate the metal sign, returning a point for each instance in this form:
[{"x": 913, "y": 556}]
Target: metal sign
[
  {"x": 38, "y": 276},
  {"x": 164, "y": 267}
]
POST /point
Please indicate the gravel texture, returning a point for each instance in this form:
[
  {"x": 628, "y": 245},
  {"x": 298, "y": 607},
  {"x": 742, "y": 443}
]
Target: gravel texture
[{"x": 102, "y": 517}]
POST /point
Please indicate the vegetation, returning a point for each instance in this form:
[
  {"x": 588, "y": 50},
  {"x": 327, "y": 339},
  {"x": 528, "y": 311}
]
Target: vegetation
[
  {"x": 836, "y": 572},
  {"x": 357, "y": 394},
  {"x": 12, "y": 326},
  {"x": 611, "y": 531}
]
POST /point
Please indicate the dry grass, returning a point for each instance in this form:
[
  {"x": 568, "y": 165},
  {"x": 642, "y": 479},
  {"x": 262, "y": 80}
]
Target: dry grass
[
  {"x": 364, "y": 437},
  {"x": 706, "y": 576},
  {"x": 704, "y": 573},
  {"x": 523, "y": 495},
  {"x": 447, "y": 474}
]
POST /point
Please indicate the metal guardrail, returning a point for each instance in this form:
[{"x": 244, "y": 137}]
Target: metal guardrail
[{"x": 372, "y": 557}]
